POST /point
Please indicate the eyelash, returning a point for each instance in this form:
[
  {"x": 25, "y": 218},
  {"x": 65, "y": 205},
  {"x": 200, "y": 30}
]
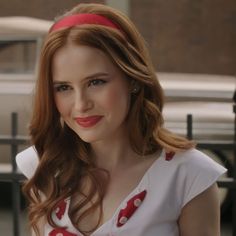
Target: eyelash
[
  {"x": 96, "y": 82},
  {"x": 65, "y": 87},
  {"x": 62, "y": 88}
]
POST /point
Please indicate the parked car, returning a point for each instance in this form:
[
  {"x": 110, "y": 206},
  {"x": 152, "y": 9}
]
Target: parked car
[
  {"x": 209, "y": 98},
  {"x": 20, "y": 43}
]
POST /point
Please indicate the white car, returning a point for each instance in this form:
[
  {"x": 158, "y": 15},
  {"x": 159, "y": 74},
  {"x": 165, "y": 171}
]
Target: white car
[
  {"x": 209, "y": 98},
  {"x": 20, "y": 43}
]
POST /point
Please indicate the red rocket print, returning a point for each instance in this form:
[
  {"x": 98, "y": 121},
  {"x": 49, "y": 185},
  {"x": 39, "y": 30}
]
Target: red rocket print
[
  {"x": 169, "y": 156},
  {"x": 60, "y": 232},
  {"x": 60, "y": 209},
  {"x": 132, "y": 206}
]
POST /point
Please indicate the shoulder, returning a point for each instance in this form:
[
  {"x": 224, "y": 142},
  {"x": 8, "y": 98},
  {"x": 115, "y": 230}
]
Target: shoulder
[
  {"x": 197, "y": 172},
  {"x": 27, "y": 161},
  {"x": 190, "y": 160},
  {"x": 196, "y": 160}
]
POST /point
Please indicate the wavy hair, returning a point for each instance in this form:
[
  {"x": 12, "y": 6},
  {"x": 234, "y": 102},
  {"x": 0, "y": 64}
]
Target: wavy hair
[{"x": 64, "y": 158}]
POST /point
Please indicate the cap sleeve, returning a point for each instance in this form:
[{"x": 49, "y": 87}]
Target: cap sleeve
[
  {"x": 200, "y": 173},
  {"x": 27, "y": 161}
]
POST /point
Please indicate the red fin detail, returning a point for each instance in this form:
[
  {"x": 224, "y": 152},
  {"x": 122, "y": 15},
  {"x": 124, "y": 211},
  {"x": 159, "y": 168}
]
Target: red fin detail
[
  {"x": 131, "y": 207},
  {"x": 60, "y": 231},
  {"x": 169, "y": 156},
  {"x": 60, "y": 209}
]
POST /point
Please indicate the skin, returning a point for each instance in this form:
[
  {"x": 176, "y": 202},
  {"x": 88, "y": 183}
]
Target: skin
[
  {"x": 201, "y": 216},
  {"x": 87, "y": 83}
]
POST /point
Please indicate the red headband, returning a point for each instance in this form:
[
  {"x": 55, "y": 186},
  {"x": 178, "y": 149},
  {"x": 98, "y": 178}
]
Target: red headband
[{"x": 81, "y": 19}]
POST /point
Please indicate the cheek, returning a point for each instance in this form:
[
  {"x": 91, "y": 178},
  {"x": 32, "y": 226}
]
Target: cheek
[
  {"x": 63, "y": 105},
  {"x": 116, "y": 99}
]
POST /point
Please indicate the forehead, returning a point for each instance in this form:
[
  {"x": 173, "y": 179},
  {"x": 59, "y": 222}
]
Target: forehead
[{"x": 73, "y": 60}]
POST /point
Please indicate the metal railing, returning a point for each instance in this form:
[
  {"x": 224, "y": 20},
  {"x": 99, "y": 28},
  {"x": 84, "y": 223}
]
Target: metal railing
[
  {"x": 230, "y": 182},
  {"x": 15, "y": 178}
]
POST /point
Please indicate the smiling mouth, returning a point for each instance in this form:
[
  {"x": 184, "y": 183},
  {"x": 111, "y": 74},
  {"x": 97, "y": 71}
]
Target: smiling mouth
[{"x": 89, "y": 121}]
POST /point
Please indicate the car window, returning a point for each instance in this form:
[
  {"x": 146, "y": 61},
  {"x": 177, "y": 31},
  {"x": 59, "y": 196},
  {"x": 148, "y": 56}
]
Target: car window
[{"x": 17, "y": 56}]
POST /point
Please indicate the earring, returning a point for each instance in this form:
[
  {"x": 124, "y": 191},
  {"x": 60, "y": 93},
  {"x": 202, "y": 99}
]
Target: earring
[
  {"x": 62, "y": 122},
  {"x": 135, "y": 86},
  {"x": 135, "y": 90}
]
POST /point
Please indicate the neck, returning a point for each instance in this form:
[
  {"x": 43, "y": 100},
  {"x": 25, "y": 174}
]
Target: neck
[{"x": 113, "y": 153}]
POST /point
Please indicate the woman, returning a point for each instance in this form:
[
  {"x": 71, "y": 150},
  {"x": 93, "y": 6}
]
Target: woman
[{"x": 103, "y": 163}]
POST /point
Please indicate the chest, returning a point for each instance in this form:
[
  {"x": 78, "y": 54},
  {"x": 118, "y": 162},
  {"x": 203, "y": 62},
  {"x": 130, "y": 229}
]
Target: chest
[
  {"x": 146, "y": 220},
  {"x": 119, "y": 188},
  {"x": 158, "y": 206},
  {"x": 120, "y": 185}
]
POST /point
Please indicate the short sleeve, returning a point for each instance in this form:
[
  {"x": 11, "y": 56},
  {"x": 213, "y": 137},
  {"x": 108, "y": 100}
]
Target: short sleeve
[
  {"x": 27, "y": 161},
  {"x": 200, "y": 173}
]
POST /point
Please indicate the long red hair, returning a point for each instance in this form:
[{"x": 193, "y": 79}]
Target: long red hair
[{"x": 64, "y": 157}]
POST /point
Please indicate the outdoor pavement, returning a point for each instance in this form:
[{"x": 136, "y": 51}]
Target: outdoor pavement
[{"x": 6, "y": 225}]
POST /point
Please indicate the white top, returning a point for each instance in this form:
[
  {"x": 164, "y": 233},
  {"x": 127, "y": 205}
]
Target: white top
[{"x": 154, "y": 206}]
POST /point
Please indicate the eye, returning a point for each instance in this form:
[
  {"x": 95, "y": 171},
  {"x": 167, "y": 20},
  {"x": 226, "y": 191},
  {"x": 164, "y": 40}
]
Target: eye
[
  {"x": 96, "y": 82},
  {"x": 62, "y": 88}
]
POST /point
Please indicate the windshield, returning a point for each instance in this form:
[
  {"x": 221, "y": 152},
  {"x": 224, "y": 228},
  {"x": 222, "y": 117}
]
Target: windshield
[{"x": 17, "y": 56}]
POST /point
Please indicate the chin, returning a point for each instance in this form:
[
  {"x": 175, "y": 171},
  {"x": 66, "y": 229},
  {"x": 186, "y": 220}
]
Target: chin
[
  {"x": 89, "y": 138},
  {"x": 93, "y": 138}
]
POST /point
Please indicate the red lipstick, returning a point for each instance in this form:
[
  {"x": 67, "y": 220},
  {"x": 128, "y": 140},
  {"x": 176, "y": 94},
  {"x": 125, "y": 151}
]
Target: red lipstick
[{"x": 89, "y": 121}]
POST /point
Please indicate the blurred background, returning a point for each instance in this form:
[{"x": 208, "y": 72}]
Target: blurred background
[
  {"x": 193, "y": 47},
  {"x": 183, "y": 36}
]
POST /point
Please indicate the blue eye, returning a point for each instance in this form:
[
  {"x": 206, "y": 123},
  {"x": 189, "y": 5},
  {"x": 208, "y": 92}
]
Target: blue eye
[
  {"x": 62, "y": 88},
  {"x": 96, "y": 82}
]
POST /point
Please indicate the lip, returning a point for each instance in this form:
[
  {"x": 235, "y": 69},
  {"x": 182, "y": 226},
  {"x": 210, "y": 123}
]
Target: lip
[{"x": 89, "y": 121}]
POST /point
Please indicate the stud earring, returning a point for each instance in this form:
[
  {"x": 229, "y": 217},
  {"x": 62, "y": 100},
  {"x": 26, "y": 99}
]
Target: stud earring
[
  {"x": 135, "y": 86},
  {"x": 135, "y": 90}
]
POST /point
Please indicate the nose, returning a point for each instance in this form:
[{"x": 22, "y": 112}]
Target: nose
[{"x": 82, "y": 102}]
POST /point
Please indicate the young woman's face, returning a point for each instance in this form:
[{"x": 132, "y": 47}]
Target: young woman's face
[{"x": 91, "y": 93}]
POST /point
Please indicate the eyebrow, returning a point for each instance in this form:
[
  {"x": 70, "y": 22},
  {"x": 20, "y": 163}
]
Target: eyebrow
[{"x": 92, "y": 76}]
